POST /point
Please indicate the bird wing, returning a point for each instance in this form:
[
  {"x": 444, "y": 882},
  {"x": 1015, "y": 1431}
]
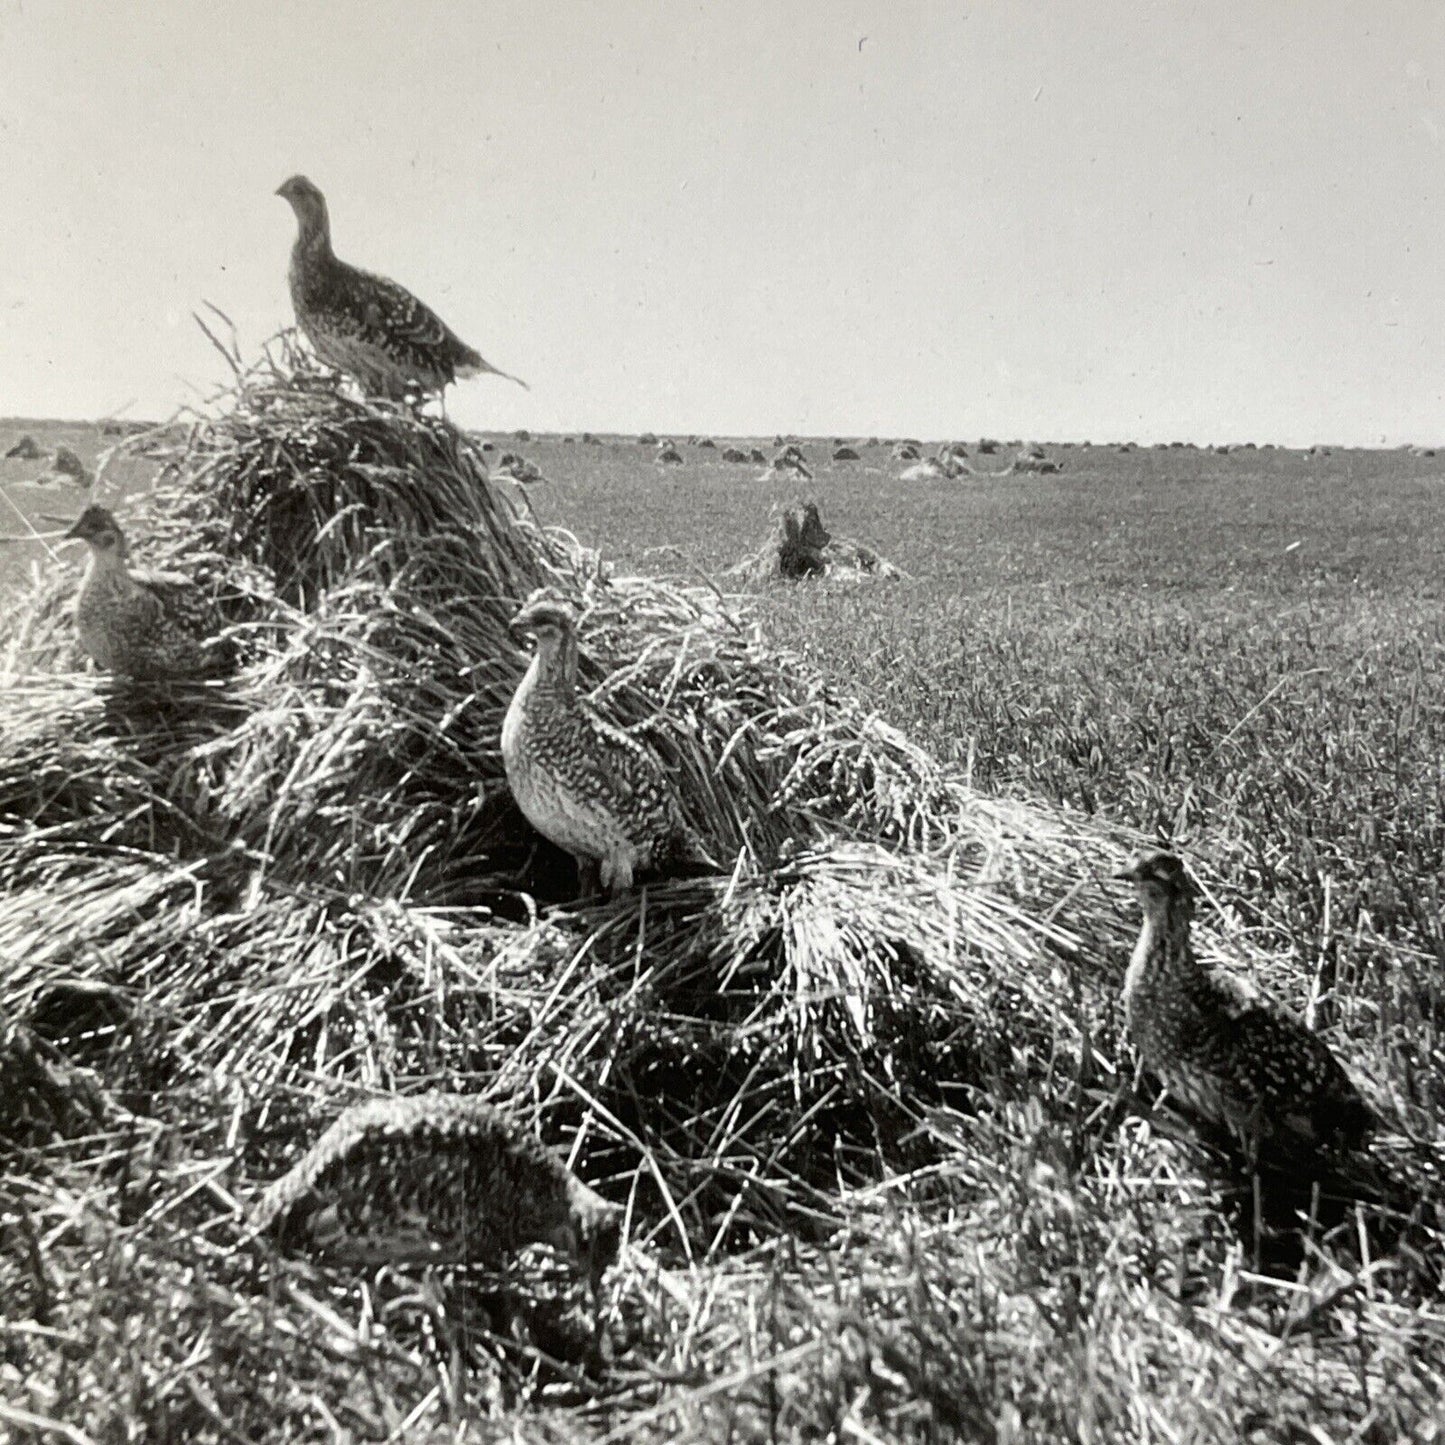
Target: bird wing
[
  {"x": 380, "y": 312},
  {"x": 623, "y": 770},
  {"x": 173, "y": 597},
  {"x": 1273, "y": 1073},
  {"x": 152, "y": 594}
]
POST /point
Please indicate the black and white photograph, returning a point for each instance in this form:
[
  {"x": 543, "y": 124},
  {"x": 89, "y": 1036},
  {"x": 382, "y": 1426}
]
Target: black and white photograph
[{"x": 722, "y": 722}]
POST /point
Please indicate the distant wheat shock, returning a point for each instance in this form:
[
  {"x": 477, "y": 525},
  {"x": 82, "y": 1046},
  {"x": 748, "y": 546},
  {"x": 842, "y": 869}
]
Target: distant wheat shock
[
  {"x": 582, "y": 783},
  {"x": 436, "y": 1179},
  {"x": 1236, "y": 1059},
  {"x": 366, "y": 325},
  {"x": 138, "y": 624}
]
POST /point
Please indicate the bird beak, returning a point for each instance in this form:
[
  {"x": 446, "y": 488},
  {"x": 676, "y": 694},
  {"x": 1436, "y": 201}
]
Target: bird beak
[
  {"x": 74, "y": 534},
  {"x": 1127, "y": 874}
]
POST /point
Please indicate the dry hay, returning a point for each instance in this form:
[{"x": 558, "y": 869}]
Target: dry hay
[
  {"x": 800, "y": 546},
  {"x": 944, "y": 466},
  {"x": 1033, "y": 459},
  {"x": 905, "y": 452},
  {"x": 668, "y": 454},
  {"x": 229, "y": 909},
  {"x": 928, "y": 470},
  {"x": 735, "y": 454},
  {"x": 25, "y": 449},
  {"x": 790, "y": 460},
  {"x": 707, "y": 444},
  {"x": 647, "y": 439},
  {"x": 119, "y": 427},
  {"x": 756, "y": 454},
  {"x": 517, "y": 468},
  {"x": 845, "y": 454}
]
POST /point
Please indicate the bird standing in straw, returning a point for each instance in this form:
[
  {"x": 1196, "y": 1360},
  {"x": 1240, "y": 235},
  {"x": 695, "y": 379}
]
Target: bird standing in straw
[
  {"x": 145, "y": 625},
  {"x": 365, "y": 325},
  {"x": 581, "y": 782},
  {"x": 1236, "y": 1059},
  {"x": 436, "y": 1179}
]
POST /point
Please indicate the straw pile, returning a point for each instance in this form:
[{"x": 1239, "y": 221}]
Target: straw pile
[
  {"x": 800, "y": 546},
  {"x": 232, "y": 908}
]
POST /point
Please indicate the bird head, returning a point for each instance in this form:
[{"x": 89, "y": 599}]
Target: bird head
[
  {"x": 305, "y": 199},
  {"x": 1160, "y": 878},
  {"x": 546, "y": 616},
  {"x": 99, "y": 531}
]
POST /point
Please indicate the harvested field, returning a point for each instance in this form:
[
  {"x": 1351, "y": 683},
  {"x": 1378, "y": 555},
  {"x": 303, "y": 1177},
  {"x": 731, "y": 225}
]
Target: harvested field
[{"x": 853, "y": 1094}]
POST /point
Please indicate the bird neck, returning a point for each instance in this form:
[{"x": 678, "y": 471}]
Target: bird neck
[
  {"x": 108, "y": 563},
  {"x": 314, "y": 234},
  {"x": 554, "y": 668},
  {"x": 1163, "y": 947}
]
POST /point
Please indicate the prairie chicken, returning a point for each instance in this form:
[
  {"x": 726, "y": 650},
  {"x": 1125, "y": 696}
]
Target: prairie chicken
[
  {"x": 365, "y": 325},
  {"x": 1235, "y": 1058},
  {"x": 581, "y": 782},
  {"x": 139, "y": 624},
  {"x": 436, "y": 1179}
]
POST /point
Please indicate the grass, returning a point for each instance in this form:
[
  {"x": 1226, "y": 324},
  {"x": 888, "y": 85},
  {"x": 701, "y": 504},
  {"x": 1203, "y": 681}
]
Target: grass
[{"x": 858, "y": 1099}]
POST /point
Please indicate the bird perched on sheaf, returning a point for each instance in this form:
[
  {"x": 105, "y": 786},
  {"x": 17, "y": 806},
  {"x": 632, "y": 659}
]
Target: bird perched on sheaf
[
  {"x": 364, "y": 324},
  {"x": 137, "y": 623},
  {"x": 582, "y": 783},
  {"x": 1235, "y": 1058},
  {"x": 436, "y": 1179}
]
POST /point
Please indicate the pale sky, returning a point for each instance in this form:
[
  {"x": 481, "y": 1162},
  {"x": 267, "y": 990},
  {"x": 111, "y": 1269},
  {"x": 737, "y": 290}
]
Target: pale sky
[{"x": 1052, "y": 220}]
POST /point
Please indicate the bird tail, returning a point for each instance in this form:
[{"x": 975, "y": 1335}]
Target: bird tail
[{"x": 480, "y": 366}]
